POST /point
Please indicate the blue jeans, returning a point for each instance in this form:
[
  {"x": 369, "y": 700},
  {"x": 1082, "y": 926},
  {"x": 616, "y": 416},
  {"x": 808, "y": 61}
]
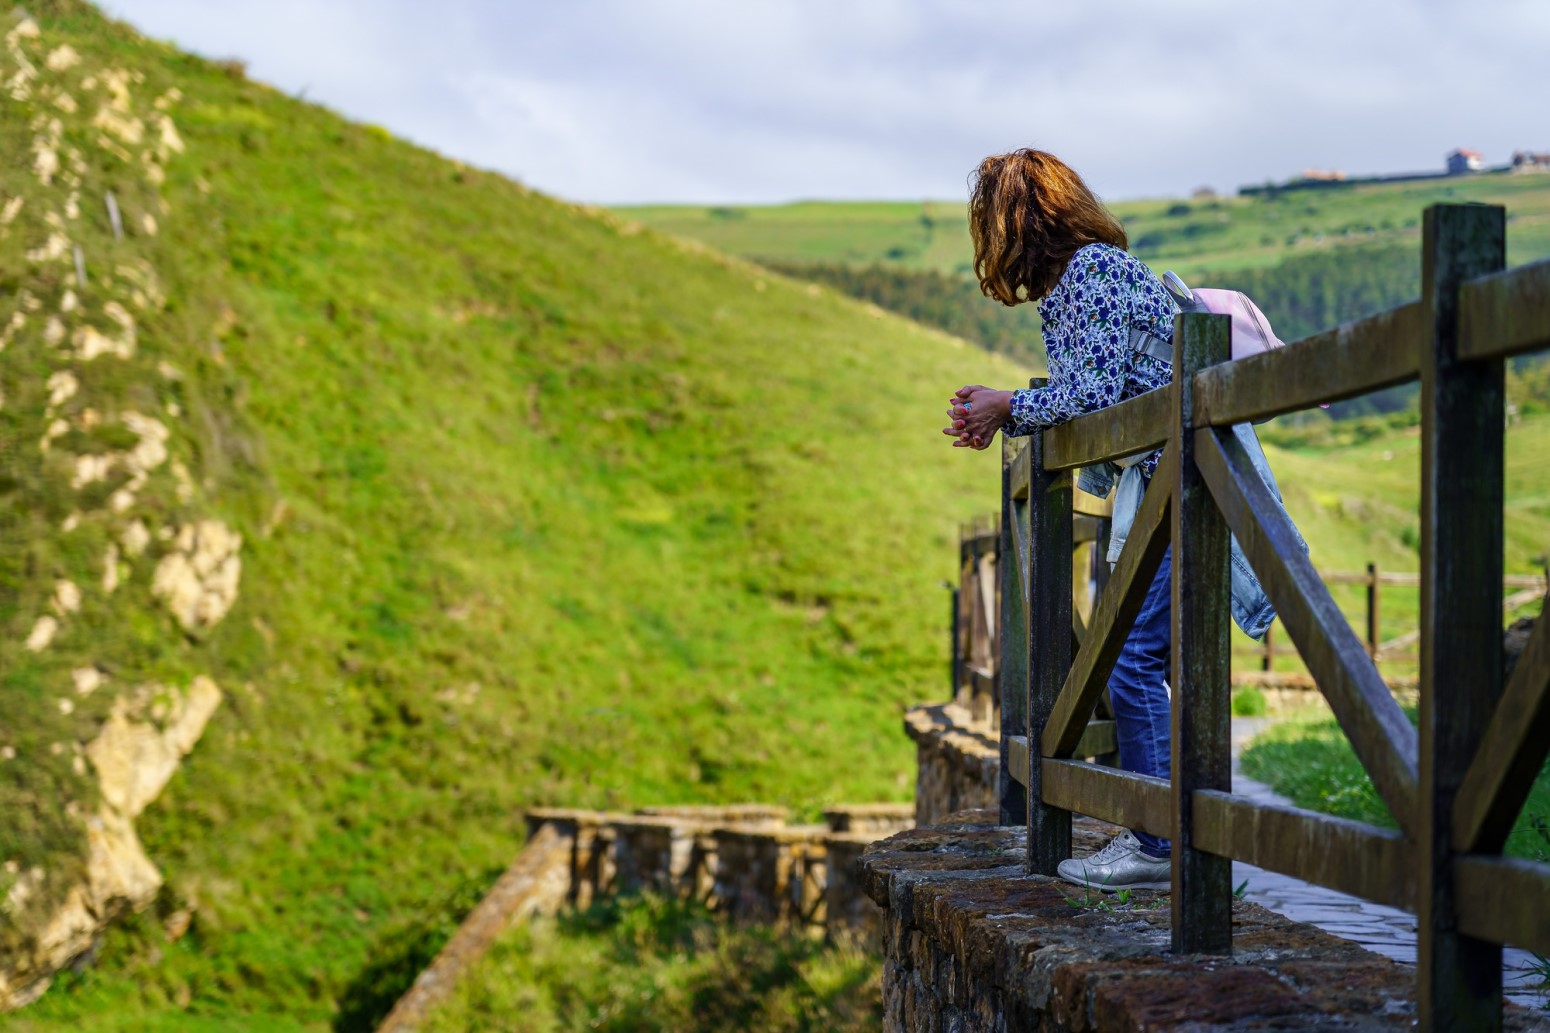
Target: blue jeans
[{"x": 1141, "y": 711}]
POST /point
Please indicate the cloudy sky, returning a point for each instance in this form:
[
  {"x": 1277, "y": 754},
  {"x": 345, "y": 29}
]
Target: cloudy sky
[{"x": 746, "y": 101}]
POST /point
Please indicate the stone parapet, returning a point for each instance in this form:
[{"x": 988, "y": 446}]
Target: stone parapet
[
  {"x": 743, "y": 861},
  {"x": 973, "y": 945},
  {"x": 957, "y": 761},
  {"x": 740, "y": 815},
  {"x": 877, "y": 819},
  {"x": 775, "y": 876}
]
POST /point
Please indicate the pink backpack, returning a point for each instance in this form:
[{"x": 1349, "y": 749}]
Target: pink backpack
[{"x": 1251, "y": 333}]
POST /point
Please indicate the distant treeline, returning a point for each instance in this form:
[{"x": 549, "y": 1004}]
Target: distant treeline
[
  {"x": 1316, "y": 291},
  {"x": 950, "y": 303},
  {"x": 1302, "y": 295},
  {"x": 1313, "y": 292}
]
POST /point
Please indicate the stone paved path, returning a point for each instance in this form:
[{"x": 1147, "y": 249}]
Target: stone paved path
[{"x": 1378, "y": 928}]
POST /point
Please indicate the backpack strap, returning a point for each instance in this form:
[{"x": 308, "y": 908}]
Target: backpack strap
[
  {"x": 1161, "y": 348},
  {"x": 1148, "y": 343}
]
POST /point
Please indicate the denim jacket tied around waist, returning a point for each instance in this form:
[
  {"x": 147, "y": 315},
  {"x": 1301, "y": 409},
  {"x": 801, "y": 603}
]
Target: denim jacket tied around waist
[{"x": 1251, "y": 608}]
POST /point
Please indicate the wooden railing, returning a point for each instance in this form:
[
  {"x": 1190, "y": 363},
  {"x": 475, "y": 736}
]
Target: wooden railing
[
  {"x": 1454, "y": 785},
  {"x": 976, "y": 619}
]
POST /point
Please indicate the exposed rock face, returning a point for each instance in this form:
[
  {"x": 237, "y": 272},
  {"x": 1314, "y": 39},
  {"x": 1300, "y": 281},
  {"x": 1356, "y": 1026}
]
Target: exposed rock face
[
  {"x": 135, "y": 755},
  {"x": 198, "y": 578},
  {"x": 80, "y": 318}
]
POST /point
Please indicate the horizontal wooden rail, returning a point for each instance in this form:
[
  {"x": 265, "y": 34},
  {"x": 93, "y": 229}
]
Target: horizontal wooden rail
[
  {"x": 1504, "y": 900},
  {"x": 1361, "y": 577},
  {"x": 1085, "y": 528},
  {"x": 1350, "y": 360},
  {"x": 1349, "y": 856},
  {"x": 1017, "y": 461},
  {"x": 1505, "y": 313},
  {"x": 1134, "y": 801},
  {"x": 1099, "y": 739},
  {"x": 1135, "y": 425},
  {"x": 1017, "y": 758},
  {"x": 1381, "y": 735}
]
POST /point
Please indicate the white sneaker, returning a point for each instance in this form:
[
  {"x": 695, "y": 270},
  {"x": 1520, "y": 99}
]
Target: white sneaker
[{"x": 1120, "y": 865}]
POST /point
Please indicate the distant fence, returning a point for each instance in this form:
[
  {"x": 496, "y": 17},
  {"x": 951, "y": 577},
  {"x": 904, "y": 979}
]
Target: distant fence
[
  {"x": 1455, "y": 785},
  {"x": 976, "y": 614}
]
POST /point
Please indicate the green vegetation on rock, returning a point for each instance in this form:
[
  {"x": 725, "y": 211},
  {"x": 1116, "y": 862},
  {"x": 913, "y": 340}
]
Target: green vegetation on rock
[{"x": 648, "y": 964}]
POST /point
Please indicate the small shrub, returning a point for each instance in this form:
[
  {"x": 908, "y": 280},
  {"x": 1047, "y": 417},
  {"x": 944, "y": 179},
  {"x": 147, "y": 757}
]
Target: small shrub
[{"x": 1249, "y": 701}]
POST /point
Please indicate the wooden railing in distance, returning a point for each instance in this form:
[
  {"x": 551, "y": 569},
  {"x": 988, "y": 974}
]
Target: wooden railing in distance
[{"x": 1456, "y": 783}]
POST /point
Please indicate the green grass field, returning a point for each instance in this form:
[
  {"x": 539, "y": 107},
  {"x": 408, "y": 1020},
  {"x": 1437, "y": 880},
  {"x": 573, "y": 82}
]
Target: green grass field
[
  {"x": 537, "y": 507},
  {"x": 1196, "y": 238},
  {"x": 1309, "y": 760}
]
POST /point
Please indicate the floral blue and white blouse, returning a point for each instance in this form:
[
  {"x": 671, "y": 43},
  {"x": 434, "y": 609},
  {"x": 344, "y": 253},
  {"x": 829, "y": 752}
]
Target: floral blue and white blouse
[{"x": 1087, "y": 321}]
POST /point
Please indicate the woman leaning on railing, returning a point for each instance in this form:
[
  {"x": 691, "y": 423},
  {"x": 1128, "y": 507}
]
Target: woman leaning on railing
[{"x": 1040, "y": 235}]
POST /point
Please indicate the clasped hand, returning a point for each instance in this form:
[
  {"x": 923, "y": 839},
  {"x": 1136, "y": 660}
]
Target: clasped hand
[{"x": 976, "y": 414}]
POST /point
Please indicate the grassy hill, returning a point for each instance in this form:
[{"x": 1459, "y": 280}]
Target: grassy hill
[
  {"x": 1310, "y": 258},
  {"x": 465, "y": 499},
  {"x": 1197, "y": 237},
  {"x": 534, "y": 507}
]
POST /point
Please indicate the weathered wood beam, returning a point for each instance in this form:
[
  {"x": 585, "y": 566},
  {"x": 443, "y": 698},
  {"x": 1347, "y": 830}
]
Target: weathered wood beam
[
  {"x": 1505, "y": 314},
  {"x": 1134, "y": 801},
  {"x": 1350, "y": 360},
  {"x": 1349, "y": 856},
  {"x": 1011, "y": 683},
  {"x": 1200, "y": 665},
  {"x": 1381, "y": 735},
  {"x": 1135, "y": 425},
  {"x": 1049, "y": 638},
  {"x": 1017, "y": 758},
  {"x": 1510, "y": 756},
  {"x": 1085, "y": 528},
  {"x": 1117, "y": 608},
  {"x": 1463, "y": 408},
  {"x": 1099, "y": 739},
  {"x": 1015, "y": 459},
  {"x": 1504, "y": 900}
]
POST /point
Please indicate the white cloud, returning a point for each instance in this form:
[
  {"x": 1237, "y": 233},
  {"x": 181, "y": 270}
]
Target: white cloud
[{"x": 698, "y": 100}]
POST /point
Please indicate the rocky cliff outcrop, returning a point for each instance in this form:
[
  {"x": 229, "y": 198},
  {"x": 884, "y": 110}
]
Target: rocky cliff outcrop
[
  {"x": 134, "y": 756},
  {"x": 111, "y": 530}
]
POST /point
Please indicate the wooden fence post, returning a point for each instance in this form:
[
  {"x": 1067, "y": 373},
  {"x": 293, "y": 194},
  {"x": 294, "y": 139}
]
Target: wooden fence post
[
  {"x": 1012, "y": 662},
  {"x": 1372, "y": 611},
  {"x": 1459, "y": 978},
  {"x": 1202, "y": 661},
  {"x": 955, "y": 662},
  {"x": 1049, "y": 643}
]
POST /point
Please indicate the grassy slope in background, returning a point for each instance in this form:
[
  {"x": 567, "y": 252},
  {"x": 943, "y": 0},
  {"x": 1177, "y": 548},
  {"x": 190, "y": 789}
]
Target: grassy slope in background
[
  {"x": 536, "y": 510},
  {"x": 1197, "y": 238}
]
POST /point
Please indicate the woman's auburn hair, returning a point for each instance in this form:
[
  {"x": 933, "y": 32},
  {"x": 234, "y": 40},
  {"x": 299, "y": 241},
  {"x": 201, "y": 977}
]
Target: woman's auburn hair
[{"x": 1029, "y": 212}]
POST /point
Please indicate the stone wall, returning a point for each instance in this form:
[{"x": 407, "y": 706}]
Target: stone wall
[
  {"x": 743, "y": 861},
  {"x": 957, "y": 761},
  {"x": 973, "y": 945}
]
